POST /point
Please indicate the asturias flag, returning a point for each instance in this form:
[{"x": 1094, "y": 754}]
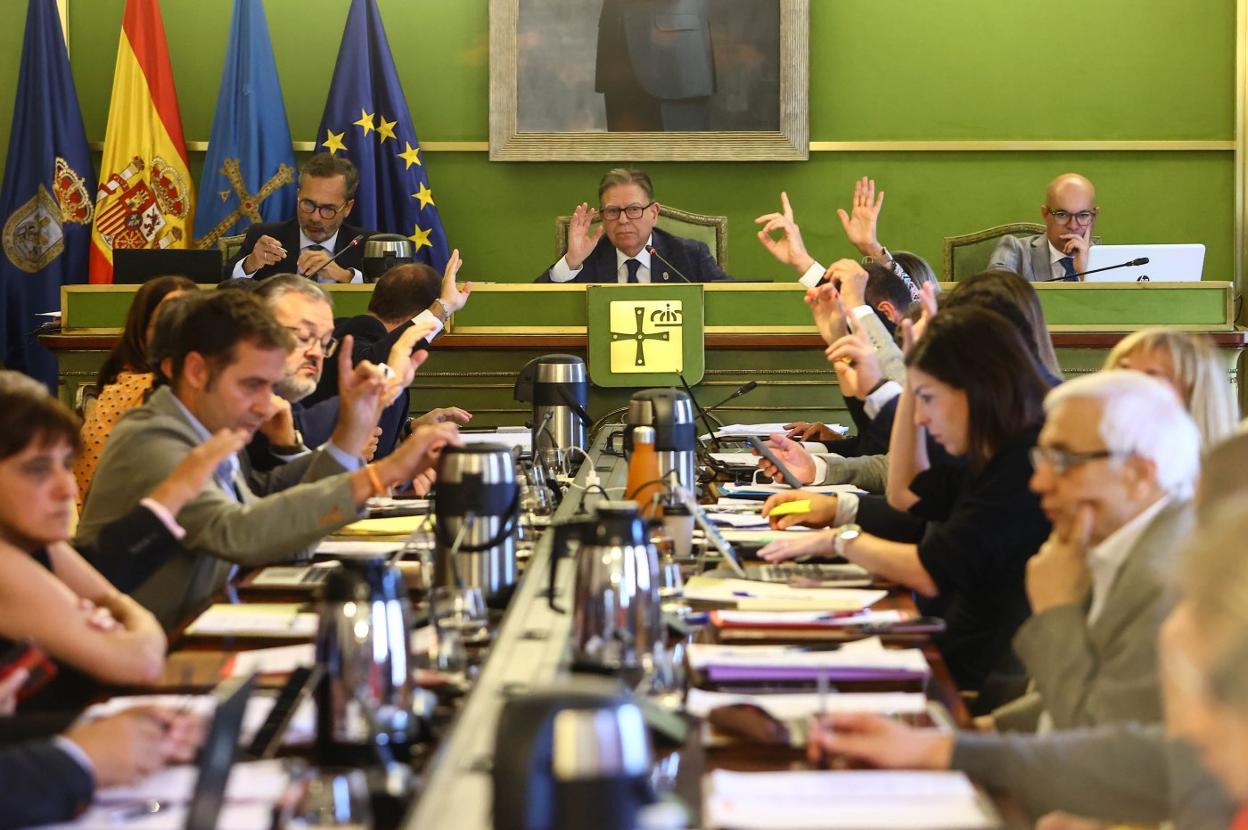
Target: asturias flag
[
  {"x": 145, "y": 198},
  {"x": 46, "y": 200},
  {"x": 366, "y": 119},
  {"x": 249, "y": 173}
]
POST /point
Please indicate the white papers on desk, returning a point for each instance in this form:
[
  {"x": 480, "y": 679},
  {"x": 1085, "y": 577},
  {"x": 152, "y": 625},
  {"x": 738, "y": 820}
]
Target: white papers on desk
[
  {"x": 353, "y": 549},
  {"x": 737, "y": 520},
  {"x": 844, "y": 800},
  {"x": 774, "y": 487},
  {"x": 736, "y": 459},
  {"x": 391, "y": 503},
  {"x": 793, "y": 619},
  {"x": 753, "y": 595},
  {"x": 300, "y": 730},
  {"x": 866, "y": 655},
  {"x": 793, "y": 707},
  {"x": 761, "y": 536},
  {"x": 261, "y": 619},
  {"x": 762, "y": 430},
  {"x": 509, "y": 437},
  {"x": 280, "y": 660},
  {"x": 252, "y": 791}
]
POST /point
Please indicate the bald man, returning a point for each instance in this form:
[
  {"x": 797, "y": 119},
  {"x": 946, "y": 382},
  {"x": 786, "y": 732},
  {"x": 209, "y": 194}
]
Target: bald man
[{"x": 1060, "y": 252}]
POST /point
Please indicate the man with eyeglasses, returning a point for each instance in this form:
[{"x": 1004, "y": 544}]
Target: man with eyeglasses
[
  {"x": 306, "y": 244},
  {"x": 1061, "y": 252},
  {"x": 618, "y": 250}
]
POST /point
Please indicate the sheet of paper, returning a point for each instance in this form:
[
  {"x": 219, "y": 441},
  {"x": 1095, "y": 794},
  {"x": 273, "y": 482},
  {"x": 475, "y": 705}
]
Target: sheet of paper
[
  {"x": 509, "y": 437},
  {"x": 844, "y": 800},
  {"x": 864, "y": 660},
  {"x": 389, "y": 503},
  {"x": 752, "y": 595},
  {"x": 737, "y": 520},
  {"x": 765, "y": 489},
  {"x": 280, "y": 660},
  {"x": 355, "y": 548},
  {"x": 800, "y": 706},
  {"x": 391, "y": 526},
  {"x": 764, "y": 619},
  {"x": 763, "y": 430},
  {"x": 736, "y": 459},
  {"x": 271, "y": 619}
]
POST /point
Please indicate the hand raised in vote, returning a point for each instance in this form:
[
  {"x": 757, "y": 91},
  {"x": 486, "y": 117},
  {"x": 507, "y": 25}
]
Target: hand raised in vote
[
  {"x": 267, "y": 251},
  {"x": 912, "y": 331},
  {"x": 453, "y": 298},
  {"x": 370, "y": 448},
  {"x": 420, "y": 452},
  {"x": 825, "y": 307},
  {"x": 822, "y": 510},
  {"x": 360, "y": 392},
  {"x": 1058, "y": 574},
  {"x": 580, "y": 241},
  {"x": 405, "y": 358},
  {"x": 850, "y": 279},
  {"x": 879, "y": 741},
  {"x": 788, "y": 247},
  {"x": 792, "y": 455},
  {"x": 856, "y": 363},
  {"x": 861, "y": 221},
  {"x": 197, "y": 467}
]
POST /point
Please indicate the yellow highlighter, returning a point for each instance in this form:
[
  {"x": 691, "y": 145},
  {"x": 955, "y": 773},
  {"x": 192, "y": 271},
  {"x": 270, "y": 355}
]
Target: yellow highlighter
[{"x": 791, "y": 508}]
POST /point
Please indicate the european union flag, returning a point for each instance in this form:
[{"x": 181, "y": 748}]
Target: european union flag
[
  {"x": 366, "y": 119},
  {"x": 47, "y": 200},
  {"x": 250, "y": 172}
]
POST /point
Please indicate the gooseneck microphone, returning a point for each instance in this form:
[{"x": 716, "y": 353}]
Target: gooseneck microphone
[
  {"x": 334, "y": 258},
  {"x": 744, "y": 389},
  {"x": 654, "y": 252},
  {"x": 1132, "y": 264}
]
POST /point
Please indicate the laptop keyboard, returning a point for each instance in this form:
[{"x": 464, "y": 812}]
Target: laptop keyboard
[{"x": 812, "y": 571}]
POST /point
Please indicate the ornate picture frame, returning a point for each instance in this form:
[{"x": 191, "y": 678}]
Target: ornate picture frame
[{"x": 513, "y": 53}]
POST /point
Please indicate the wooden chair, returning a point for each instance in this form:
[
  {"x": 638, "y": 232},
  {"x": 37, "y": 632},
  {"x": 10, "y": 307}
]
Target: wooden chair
[
  {"x": 713, "y": 230},
  {"x": 230, "y": 245}
]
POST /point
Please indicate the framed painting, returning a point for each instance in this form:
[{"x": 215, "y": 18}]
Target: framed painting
[{"x": 649, "y": 80}]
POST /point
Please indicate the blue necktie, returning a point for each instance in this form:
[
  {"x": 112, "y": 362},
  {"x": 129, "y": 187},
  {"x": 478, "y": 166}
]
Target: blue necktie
[
  {"x": 633, "y": 265},
  {"x": 1068, "y": 265}
]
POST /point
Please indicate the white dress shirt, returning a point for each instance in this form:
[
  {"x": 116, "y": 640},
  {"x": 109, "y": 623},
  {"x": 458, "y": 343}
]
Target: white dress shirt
[
  {"x": 357, "y": 277},
  {"x": 561, "y": 272}
]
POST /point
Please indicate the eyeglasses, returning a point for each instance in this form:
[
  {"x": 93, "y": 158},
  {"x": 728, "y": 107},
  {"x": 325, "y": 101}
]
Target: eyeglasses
[
  {"x": 1083, "y": 217},
  {"x": 1062, "y": 461},
  {"x": 306, "y": 340},
  {"x": 325, "y": 211},
  {"x": 611, "y": 214}
]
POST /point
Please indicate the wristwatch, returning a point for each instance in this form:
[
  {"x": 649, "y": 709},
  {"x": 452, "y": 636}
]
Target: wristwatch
[
  {"x": 441, "y": 311},
  {"x": 884, "y": 257},
  {"x": 844, "y": 535}
]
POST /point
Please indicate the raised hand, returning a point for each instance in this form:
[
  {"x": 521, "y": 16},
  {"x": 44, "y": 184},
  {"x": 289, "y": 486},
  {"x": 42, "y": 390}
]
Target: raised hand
[
  {"x": 196, "y": 468},
  {"x": 913, "y": 331},
  {"x": 405, "y": 359},
  {"x": 788, "y": 248},
  {"x": 856, "y": 363},
  {"x": 418, "y": 453},
  {"x": 850, "y": 278},
  {"x": 453, "y": 298},
  {"x": 580, "y": 241},
  {"x": 360, "y": 392},
  {"x": 861, "y": 221},
  {"x": 825, "y": 306}
]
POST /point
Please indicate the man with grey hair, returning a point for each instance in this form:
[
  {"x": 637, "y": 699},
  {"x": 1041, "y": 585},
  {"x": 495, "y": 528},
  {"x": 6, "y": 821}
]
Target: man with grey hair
[
  {"x": 1115, "y": 469},
  {"x": 627, "y": 247}
]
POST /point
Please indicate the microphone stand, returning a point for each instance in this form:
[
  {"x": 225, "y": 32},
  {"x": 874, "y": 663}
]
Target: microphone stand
[
  {"x": 654, "y": 252},
  {"x": 1077, "y": 277}
]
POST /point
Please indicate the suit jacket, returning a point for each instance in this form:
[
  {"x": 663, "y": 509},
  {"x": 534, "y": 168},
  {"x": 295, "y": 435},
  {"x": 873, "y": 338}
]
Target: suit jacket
[
  {"x": 42, "y": 785},
  {"x": 302, "y": 502},
  {"x": 288, "y": 234},
  {"x": 691, "y": 258},
  {"x": 130, "y": 549},
  {"x": 1026, "y": 256},
  {"x": 667, "y": 43},
  {"x": 1086, "y": 675},
  {"x": 1121, "y": 774}
]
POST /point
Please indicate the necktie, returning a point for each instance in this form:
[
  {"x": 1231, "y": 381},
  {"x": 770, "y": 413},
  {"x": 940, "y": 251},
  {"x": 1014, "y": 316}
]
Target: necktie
[
  {"x": 315, "y": 248},
  {"x": 633, "y": 266},
  {"x": 1068, "y": 265}
]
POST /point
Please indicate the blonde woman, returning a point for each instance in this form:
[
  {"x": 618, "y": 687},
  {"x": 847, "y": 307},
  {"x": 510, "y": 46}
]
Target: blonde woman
[{"x": 1189, "y": 363}]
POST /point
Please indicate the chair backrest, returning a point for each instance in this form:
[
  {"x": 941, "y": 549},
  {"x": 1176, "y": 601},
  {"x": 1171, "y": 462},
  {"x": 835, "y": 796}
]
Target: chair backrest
[
  {"x": 969, "y": 253},
  {"x": 712, "y": 230},
  {"x": 230, "y": 245}
]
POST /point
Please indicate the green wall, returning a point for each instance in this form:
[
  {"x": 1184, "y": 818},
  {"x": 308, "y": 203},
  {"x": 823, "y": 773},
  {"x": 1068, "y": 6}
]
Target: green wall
[{"x": 880, "y": 70}]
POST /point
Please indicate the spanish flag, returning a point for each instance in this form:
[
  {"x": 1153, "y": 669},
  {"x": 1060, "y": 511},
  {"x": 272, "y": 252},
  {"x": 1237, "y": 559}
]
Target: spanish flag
[{"x": 145, "y": 198}]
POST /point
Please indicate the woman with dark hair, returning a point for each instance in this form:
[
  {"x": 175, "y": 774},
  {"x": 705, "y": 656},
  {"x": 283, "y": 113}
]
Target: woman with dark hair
[
  {"x": 49, "y": 593},
  {"x": 126, "y": 376},
  {"x": 999, "y": 289},
  {"x": 973, "y": 385}
]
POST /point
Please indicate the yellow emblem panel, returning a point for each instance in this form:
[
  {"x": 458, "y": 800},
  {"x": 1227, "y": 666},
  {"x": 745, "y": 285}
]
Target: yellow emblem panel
[{"x": 646, "y": 336}]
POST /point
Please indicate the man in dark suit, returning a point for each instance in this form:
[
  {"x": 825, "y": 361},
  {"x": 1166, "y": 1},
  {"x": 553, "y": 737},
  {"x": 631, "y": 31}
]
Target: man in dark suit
[
  {"x": 655, "y": 65},
  {"x": 618, "y": 250},
  {"x": 306, "y": 244}
]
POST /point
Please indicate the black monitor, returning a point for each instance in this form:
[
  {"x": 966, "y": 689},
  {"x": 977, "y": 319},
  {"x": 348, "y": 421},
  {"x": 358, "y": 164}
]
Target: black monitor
[
  {"x": 220, "y": 749},
  {"x": 132, "y": 266}
]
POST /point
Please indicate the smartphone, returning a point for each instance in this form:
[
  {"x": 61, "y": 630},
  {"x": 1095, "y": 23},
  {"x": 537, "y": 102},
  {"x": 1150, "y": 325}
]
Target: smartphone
[
  {"x": 27, "y": 655},
  {"x": 765, "y": 451}
]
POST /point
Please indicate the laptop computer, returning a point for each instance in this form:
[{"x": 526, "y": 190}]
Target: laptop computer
[
  {"x": 1166, "y": 263},
  {"x": 133, "y": 266},
  {"x": 219, "y": 752}
]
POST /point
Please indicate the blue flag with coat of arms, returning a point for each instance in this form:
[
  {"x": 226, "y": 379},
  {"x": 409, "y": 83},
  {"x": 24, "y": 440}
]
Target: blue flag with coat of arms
[
  {"x": 47, "y": 201},
  {"x": 367, "y": 120},
  {"x": 250, "y": 173}
]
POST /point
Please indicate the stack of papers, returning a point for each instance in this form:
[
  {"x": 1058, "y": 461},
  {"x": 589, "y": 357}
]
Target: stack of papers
[
  {"x": 259, "y": 619},
  {"x": 765, "y": 489},
  {"x": 353, "y": 549},
  {"x": 509, "y": 437},
  {"x": 797, "y": 707},
  {"x": 784, "y": 620},
  {"x": 848, "y": 800},
  {"x": 864, "y": 660},
  {"x": 763, "y": 430},
  {"x": 280, "y": 660},
  {"x": 392, "y": 526},
  {"x": 753, "y": 595},
  {"x": 254, "y": 788}
]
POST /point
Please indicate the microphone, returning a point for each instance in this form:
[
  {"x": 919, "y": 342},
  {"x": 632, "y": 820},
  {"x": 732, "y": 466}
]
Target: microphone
[
  {"x": 744, "y": 389},
  {"x": 345, "y": 248},
  {"x": 655, "y": 253},
  {"x": 1132, "y": 264}
]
